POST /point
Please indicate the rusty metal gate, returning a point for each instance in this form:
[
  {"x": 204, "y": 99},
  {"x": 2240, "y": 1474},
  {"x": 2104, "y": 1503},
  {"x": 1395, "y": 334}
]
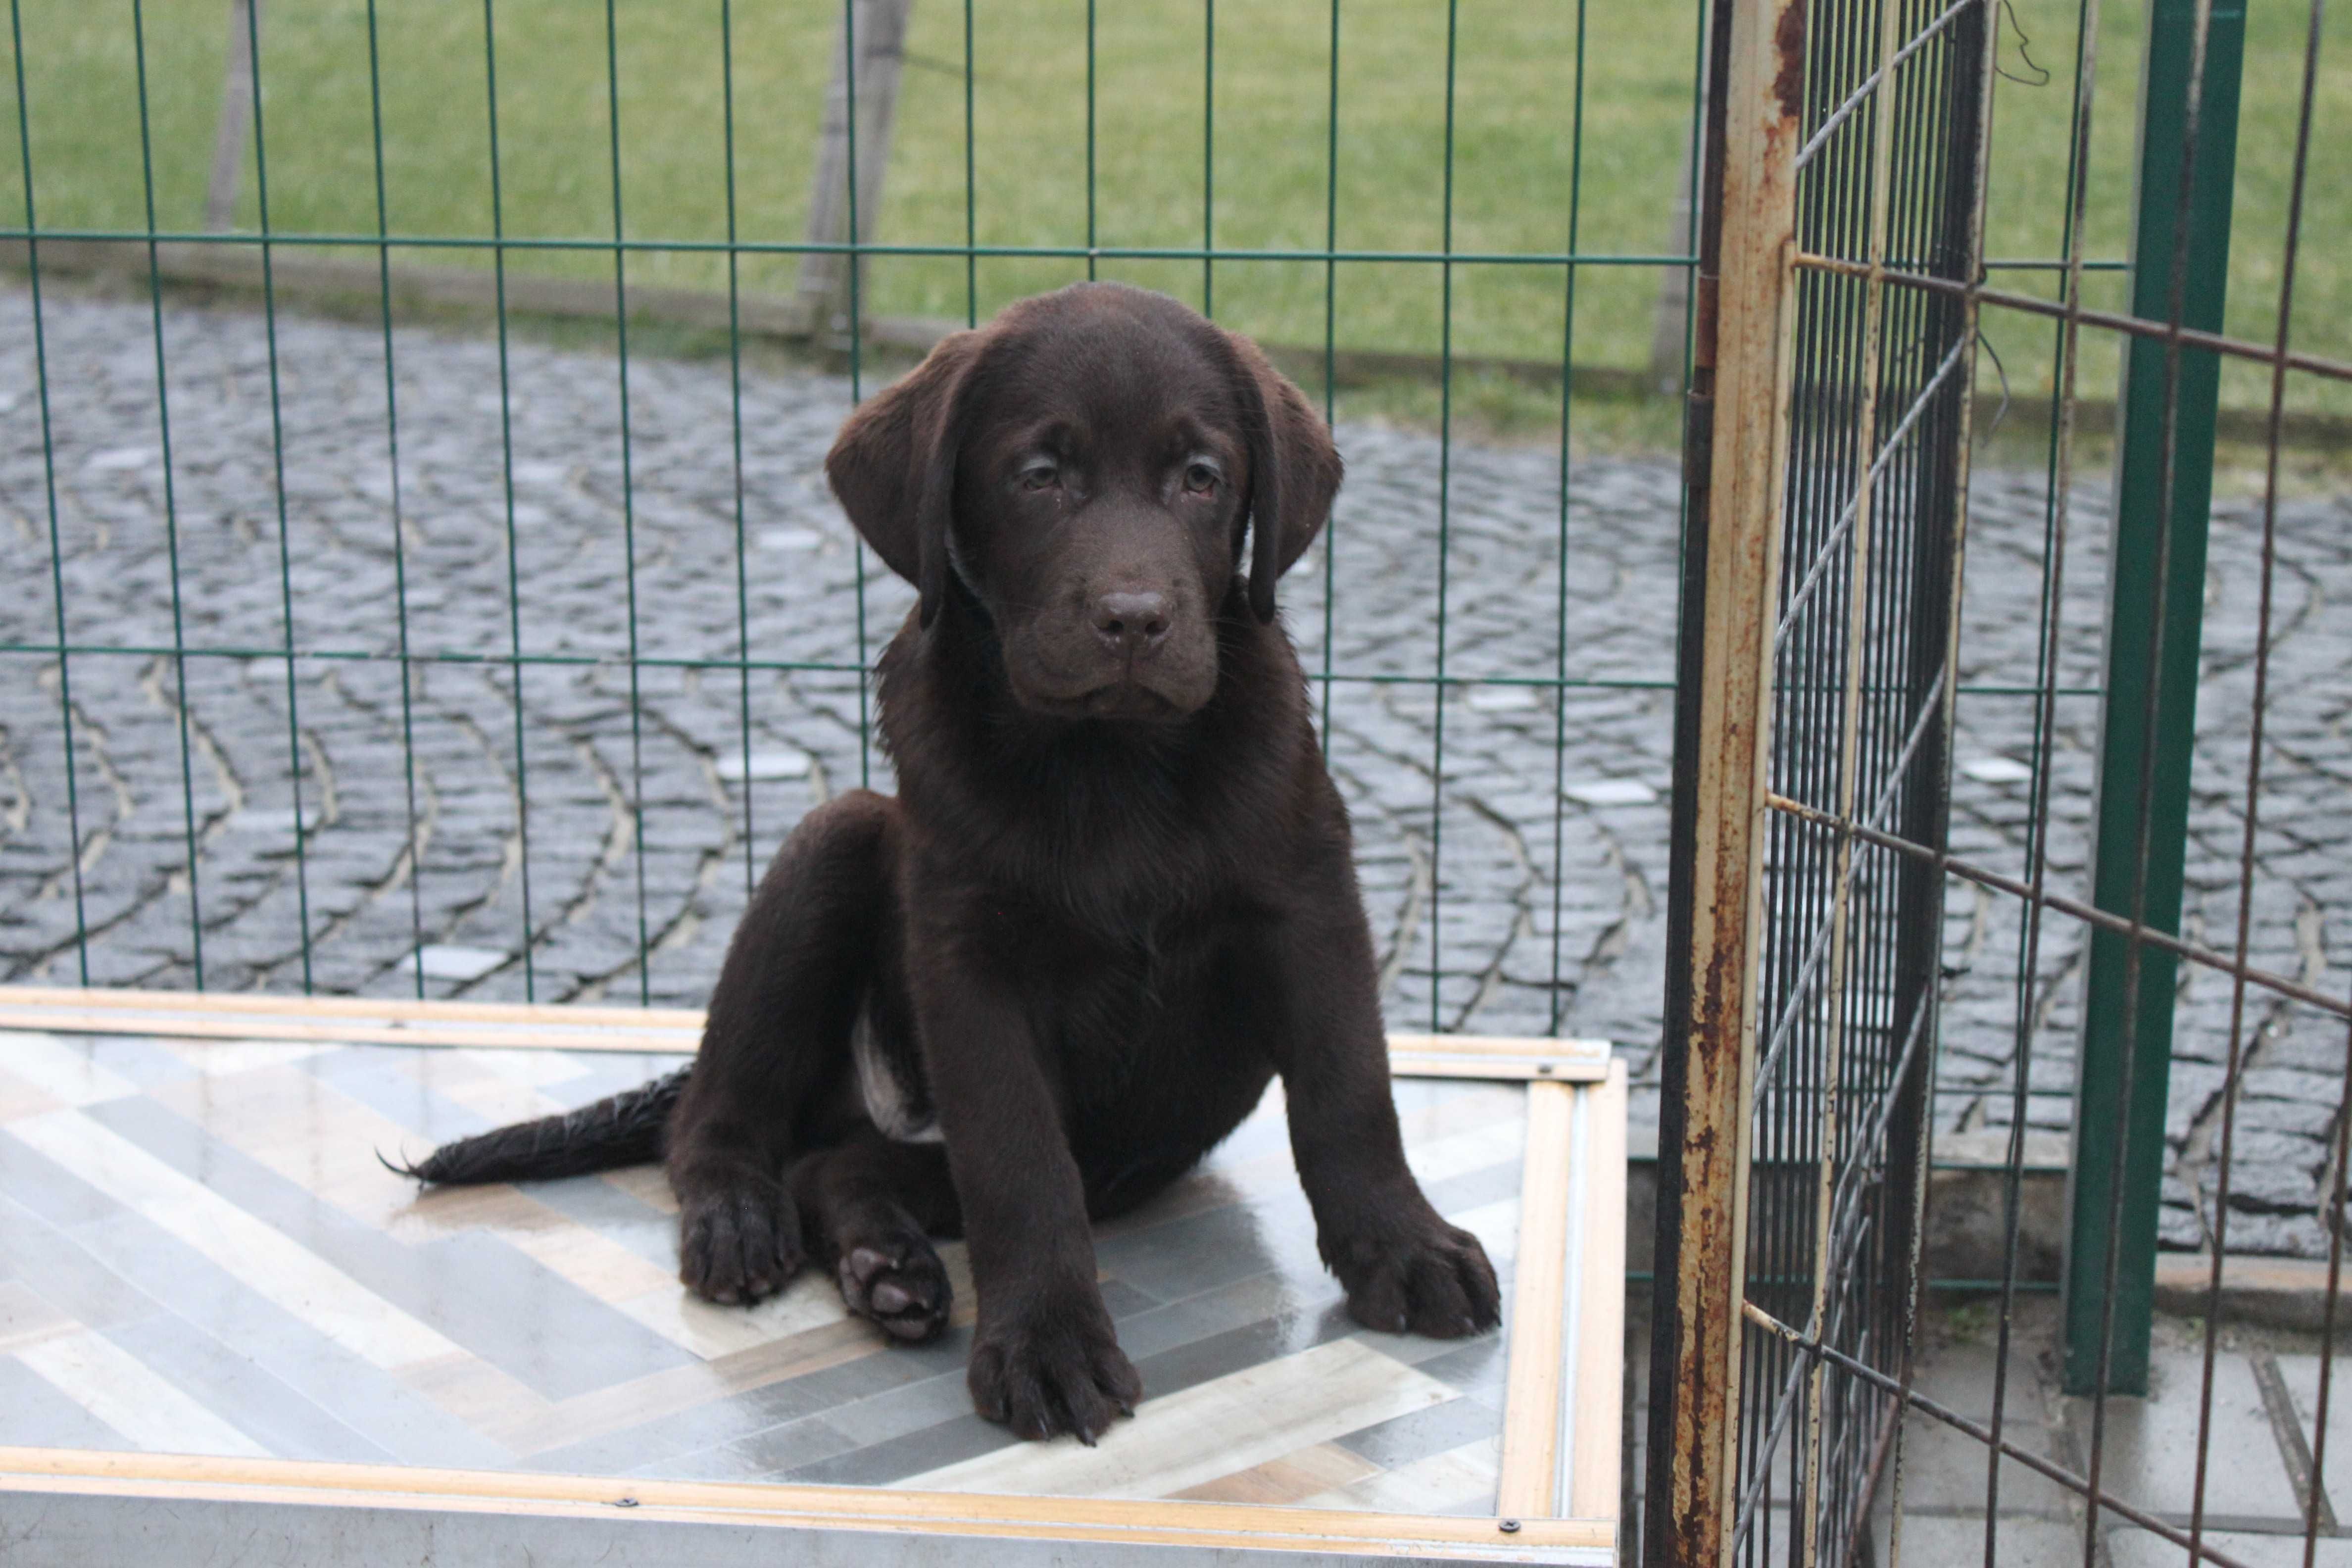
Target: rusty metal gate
[{"x": 1843, "y": 272}]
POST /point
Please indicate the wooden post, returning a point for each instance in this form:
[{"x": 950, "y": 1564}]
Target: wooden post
[
  {"x": 876, "y": 29},
  {"x": 237, "y": 89},
  {"x": 1736, "y": 457}
]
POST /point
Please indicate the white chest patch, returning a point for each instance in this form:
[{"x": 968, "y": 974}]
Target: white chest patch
[{"x": 887, "y": 1100}]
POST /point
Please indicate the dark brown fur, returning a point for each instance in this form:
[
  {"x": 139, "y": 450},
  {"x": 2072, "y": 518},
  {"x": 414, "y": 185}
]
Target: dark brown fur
[{"x": 1114, "y": 898}]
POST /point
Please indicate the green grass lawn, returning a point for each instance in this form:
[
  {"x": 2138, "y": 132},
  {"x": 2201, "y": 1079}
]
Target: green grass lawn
[{"x": 1518, "y": 180}]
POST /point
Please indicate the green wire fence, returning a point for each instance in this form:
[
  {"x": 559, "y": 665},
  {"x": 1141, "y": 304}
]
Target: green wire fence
[{"x": 68, "y": 229}]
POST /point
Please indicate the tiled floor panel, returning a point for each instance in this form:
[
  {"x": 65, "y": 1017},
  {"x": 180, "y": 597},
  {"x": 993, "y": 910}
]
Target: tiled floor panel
[{"x": 200, "y": 1253}]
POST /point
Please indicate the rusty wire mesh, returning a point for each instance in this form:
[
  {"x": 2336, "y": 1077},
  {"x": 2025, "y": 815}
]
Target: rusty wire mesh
[{"x": 1821, "y": 1341}]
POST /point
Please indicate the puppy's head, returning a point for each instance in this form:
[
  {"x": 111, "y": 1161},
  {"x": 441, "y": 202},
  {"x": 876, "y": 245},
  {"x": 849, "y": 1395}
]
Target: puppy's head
[{"x": 1090, "y": 466}]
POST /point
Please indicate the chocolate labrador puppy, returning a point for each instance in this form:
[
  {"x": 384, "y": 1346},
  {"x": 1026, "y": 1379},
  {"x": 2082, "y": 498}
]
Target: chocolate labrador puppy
[{"x": 1114, "y": 897}]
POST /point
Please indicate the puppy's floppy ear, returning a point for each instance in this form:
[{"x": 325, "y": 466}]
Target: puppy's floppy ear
[
  {"x": 893, "y": 466},
  {"x": 1295, "y": 470}
]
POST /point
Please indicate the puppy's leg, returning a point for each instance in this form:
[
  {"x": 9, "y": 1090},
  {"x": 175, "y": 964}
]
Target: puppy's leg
[
  {"x": 778, "y": 1033},
  {"x": 1403, "y": 1266},
  {"x": 870, "y": 1207},
  {"x": 1045, "y": 1355}
]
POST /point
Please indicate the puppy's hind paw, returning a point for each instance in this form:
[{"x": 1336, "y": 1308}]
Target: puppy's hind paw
[
  {"x": 900, "y": 1286},
  {"x": 739, "y": 1243}
]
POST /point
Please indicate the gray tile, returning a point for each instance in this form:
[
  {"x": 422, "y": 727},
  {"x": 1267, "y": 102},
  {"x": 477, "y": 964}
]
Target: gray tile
[
  {"x": 2152, "y": 1444},
  {"x": 1242, "y": 1302},
  {"x": 964, "y": 1437},
  {"x": 382, "y": 1081},
  {"x": 615, "y": 1215},
  {"x": 1203, "y": 1361},
  {"x": 1475, "y": 1189},
  {"x": 2301, "y": 1375},
  {"x": 781, "y": 1450},
  {"x": 363, "y": 1396},
  {"x": 1123, "y": 1300},
  {"x": 1478, "y": 1367},
  {"x": 729, "y": 1463},
  {"x": 1959, "y": 1376},
  {"x": 55, "y": 1267},
  {"x": 498, "y": 1303},
  {"x": 1946, "y": 1469},
  {"x": 2130, "y": 1548},
  {"x": 1400, "y": 1441},
  {"x": 138, "y": 1059},
  {"x": 243, "y": 1393},
  {"x": 1197, "y": 1252},
  {"x": 34, "y": 1413},
  {"x": 910, "y": 1407},
  {"x": 1933, "y": 1542},
  {"x": 47, "y": 1189},
  {"x": 718, "y": 1422}
]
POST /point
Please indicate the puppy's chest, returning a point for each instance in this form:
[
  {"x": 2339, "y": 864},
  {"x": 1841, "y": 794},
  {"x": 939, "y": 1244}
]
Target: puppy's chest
[{"x": 1136, "y": 1019}]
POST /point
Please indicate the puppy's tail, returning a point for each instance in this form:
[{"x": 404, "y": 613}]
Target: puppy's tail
[{"x": 625, "y": 1128}]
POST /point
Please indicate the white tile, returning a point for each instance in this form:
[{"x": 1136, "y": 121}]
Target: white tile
[
  {"x": 2301, "y": 1375},
  {"x": 278, "y": 819},
  {"x": 446, "y": 961},
  {"x": 265, "y": 1259},
  {"x": 1212, "y": 1429},
  {"x": 227, "y": 1058},
  {"x": 2152, "y": 1444},
  {"x": 121, "y": 1391},
  {"x": 766, "y": 763},
  {"x": 1997, "y": 770},
  {"x": 1933, "y": 1542},
  {"x": 1610, "y": 792},
  {"x": 65, "y": 1071},
  {"x": 1458, "y": 1480},
  {"x": 116, "y": 459},
  {"x": 2144, "y": 1549},
  {"x": 535, "y": 1069}
]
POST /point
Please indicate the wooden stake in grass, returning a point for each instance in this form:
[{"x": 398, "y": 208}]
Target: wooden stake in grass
[
  {"x": 236, "y": 120},
  {"x": 878, "y": 30}
]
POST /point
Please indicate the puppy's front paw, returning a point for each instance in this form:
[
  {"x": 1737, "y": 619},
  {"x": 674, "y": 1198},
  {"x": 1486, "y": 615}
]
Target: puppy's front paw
[
  {"x": 738, "y": 1240},
  {"x": 1424, "y": 1275},
  {"x": 1052, "y": 1370}
]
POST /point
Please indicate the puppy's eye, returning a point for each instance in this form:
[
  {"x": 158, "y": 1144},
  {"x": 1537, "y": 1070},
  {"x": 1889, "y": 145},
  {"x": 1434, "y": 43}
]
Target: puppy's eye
[
  {"x": 1040, "y": 475},
  {"x": 1201, "y": 478}
]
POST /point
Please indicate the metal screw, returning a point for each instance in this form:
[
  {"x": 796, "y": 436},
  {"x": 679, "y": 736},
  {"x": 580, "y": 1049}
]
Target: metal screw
[
  {"x": 1507, "y": 1526},
  {"x": 624, "y": 1502}
]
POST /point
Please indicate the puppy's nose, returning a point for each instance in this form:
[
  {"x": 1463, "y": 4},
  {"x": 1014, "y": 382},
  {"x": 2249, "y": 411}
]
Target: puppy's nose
[{"x": 1131, "y": 623}]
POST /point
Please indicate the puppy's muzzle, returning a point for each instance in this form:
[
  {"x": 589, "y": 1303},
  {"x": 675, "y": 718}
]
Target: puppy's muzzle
[{"x": 1131, "y": 625}]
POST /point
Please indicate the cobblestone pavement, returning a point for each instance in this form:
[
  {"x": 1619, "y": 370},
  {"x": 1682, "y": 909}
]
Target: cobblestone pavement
[{"x": 1533, "y": 898}]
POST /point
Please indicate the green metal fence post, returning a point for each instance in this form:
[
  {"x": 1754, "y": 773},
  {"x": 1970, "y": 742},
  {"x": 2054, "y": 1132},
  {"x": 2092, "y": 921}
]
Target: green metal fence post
[{"x": 2163, "y": 494}]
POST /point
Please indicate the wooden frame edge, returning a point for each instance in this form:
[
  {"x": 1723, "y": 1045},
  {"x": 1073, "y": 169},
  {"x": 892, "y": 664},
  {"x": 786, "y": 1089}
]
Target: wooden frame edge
[
  {"x": 517, "y": 1026},
  {"x": 1232, "y": 1526},
  {"x": 1593, "y": 1471},
  {"x": 1526, "y": 1475},
  {"x": 1571, "y": 1222},
  {"x": 1562, "y": 1493}
]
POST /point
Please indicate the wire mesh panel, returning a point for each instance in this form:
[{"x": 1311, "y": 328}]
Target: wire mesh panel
[
  {"x": 1803, "y": 1408},
  {"x": 1862, "y": 692},
  {"x": 425, "y": 583},
  {"x": 1858, "y": 682}
]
